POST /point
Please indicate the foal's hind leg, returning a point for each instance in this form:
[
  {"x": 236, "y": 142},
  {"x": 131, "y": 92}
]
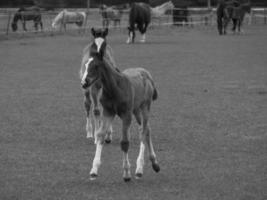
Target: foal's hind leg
[
  {"x": 126, "y": 122},
  {"x": 147, "y": 134},
  {"x": 140, "y": 162}
]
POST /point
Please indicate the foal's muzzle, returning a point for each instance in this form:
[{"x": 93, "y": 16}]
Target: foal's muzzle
[{"x": 86, "y": 85}]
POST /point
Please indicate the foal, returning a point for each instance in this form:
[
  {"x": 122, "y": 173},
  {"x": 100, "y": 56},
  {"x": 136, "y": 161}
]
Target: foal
[
  {"x": 126, "y": 93},
  {"x": 92, "y": 94}
]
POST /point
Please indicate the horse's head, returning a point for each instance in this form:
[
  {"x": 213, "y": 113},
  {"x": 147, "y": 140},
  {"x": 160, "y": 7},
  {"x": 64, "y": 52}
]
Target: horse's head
[
  {"x": 170, "y": 5},
  {"x": 99, "y": 44},
  {"x": 97, "y": 51},
  {"x": 14, "y": 25},
  {"x": 92, "y": 71}
]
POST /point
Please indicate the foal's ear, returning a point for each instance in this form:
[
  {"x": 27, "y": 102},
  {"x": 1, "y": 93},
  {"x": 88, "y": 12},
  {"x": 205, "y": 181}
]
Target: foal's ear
[
  {"x": 93, "y": 31},
  {"x": 105, "y": 32}
]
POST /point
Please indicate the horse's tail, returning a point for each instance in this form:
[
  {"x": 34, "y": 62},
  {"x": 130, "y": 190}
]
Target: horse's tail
[
  {"x": 155, "y": 91},
  {"x": 155, "y": 94}
]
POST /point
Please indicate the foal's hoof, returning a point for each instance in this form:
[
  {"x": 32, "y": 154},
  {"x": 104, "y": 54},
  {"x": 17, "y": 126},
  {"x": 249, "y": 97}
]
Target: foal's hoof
[
  {"x": 93, "y": 176},
  {"x": 127, "y": 179},
  {"x": 138, "y": 175},
  {"x": 156, "y": 167}
]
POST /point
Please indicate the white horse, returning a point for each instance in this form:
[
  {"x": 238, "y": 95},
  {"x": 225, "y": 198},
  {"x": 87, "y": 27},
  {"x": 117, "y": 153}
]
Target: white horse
[
  {"x": 69, "y": 17},
  {"x": 159, "y": 11}
]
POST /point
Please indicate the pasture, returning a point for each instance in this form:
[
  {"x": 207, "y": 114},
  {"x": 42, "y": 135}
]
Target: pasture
[{"x": 208, "y": 126}]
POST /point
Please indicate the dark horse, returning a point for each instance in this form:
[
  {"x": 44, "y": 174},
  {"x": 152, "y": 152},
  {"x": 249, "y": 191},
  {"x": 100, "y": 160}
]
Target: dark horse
[
  {"x": 231, "y": 10},
  {"x": 27, "y": 14},
  {"x": 126, "y": 94},
  {"x": 140, "y": 15}
]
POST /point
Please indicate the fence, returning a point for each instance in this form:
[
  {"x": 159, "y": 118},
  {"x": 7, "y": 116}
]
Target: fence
[{"x": 178, "y": 16}]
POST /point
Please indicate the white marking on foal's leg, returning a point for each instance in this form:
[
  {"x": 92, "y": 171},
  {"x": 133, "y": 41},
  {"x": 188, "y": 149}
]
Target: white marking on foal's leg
[
  {"x": 143, "y": 38},
  {"x": 126, "y": 167},
  {"x": 89, "y": 128},
  {"x": 140, "y": 162},
  {"x": 97, "y": 160}
]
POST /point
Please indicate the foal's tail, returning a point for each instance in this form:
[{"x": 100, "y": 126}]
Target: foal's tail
[{"x": 155, "y": 91}]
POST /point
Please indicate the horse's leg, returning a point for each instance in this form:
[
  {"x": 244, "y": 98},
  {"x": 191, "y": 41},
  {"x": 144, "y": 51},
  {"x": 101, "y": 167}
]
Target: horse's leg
[
  {"x": 140, "y": 162},
  {"x": 24, "y": 25},
  {"x": 100, "y": 135},
  {"x": 36, "y": 25},
  {"x": 147, "y": 135},
  {"x": 41, "y": 25},
  {"x": 87, "y": 105},
  {"x": 142, "y": 30},
  {"x": 225, "y": 24},
  {"x": 95, "y": 93},
  {"x": 234, "y": 25},
  {"x": 220, "y": 25},
  {"x": 126, "y": 122}
]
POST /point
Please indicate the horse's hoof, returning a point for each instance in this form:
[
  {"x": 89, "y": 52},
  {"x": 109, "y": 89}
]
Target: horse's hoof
[
  {"x": 127, "y": 179},
  {"x": 93, "y": 176},
  {"x": 156, "y": 167},
  {"x": 138, "y": 175}
]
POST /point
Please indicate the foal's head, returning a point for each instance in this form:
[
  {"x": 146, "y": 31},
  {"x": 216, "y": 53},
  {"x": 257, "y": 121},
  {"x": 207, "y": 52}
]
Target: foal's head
[
  {"x": 99, "y": 43},
  {"x": 97, "y": 51}
]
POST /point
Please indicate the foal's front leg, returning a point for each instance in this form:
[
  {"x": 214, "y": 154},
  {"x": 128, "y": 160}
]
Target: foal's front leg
[
  {"x": 100, "y": 137},
  {"x": 126, "y": 122},
  {"x": 87, "y": 105}
]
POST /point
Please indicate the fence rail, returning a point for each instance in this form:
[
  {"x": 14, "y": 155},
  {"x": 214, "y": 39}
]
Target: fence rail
[{"x": 177, "y": 16}]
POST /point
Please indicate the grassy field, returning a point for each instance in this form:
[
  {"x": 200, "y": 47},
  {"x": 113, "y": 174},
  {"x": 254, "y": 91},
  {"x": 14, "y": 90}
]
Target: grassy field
[{"x": 209, "y": 124}]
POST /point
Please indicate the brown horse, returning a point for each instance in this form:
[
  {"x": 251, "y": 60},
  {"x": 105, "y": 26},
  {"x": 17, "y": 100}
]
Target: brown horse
[
  {"x": 92, "y": 94},
  {"x": 27, "y": 14},
  {"x": 110, "y": 14},
  {"x": 140, "y": 15},
  {"x": 126, "y": 93},
  {"x": 231, "y": 10}
]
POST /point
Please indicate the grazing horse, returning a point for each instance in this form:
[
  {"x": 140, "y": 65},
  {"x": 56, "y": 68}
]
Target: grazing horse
[
  {"x": 231, "y": 10},
  {"x": 125, "y": 94},
  {"x": 27, "y": 14},
  {"x": 140, "y": 15},
  {"x": 110, "y": 14},
  {"x": 69, "y": 17},
  {"x": 92, "y": 94}
]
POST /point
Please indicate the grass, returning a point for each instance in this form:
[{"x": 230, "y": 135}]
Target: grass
[{"x": 209, "y": 123}]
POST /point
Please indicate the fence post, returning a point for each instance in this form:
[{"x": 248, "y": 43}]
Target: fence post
[
  {"x": 265, "y": 17},
  {"x": 8, "y": 23}
]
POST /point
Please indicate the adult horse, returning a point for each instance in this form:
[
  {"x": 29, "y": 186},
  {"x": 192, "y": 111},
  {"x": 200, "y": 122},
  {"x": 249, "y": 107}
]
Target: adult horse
[
  {"x": 92, "y": 94},
  {"x": 234, "y": 11},
  {"x": 126, "y": 93},
  {"x": 110, "y": 14},
  {"x": 159, "y": 11},
  {"x": 27, "y": 14},
  {"x": 140, "y": 15},
  {"x": 69, "y": 17}
]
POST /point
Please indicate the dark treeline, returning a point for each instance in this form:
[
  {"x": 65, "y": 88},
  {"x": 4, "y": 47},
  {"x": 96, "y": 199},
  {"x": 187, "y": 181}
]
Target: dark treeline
[{"x": 50, "y": 4}]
